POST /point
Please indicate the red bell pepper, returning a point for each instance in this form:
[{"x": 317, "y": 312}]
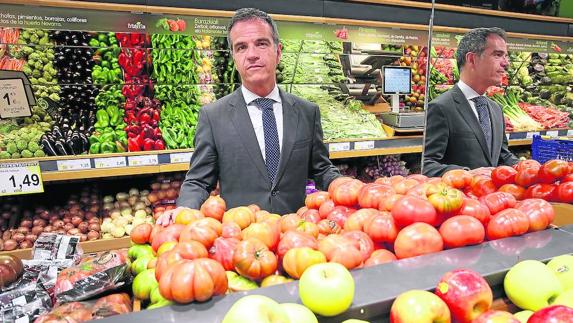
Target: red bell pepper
[
  {"x": 159, "y": 144},
  {"x": 148, "y": 144},
  {"x": 132, "y": 144}
]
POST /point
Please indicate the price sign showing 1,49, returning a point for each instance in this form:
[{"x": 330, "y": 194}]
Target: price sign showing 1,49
[{"x": 20, "y": 178}]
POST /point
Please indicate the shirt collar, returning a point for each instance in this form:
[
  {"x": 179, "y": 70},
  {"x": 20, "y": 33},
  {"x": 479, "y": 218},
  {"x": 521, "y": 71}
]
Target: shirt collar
[
  {"x": 468, "y": 92},
  {"x": 250, "y": 96}
]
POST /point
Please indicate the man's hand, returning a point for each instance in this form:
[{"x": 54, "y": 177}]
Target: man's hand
[
  {"x": 485, "y": 171},
  {"x": 168, "y": 217}
]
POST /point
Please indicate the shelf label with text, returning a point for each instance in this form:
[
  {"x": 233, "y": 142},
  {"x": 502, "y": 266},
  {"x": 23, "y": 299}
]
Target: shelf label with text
[
  {"x": 553, "y": 133},
  {"x": 338, "y": 146},
  {"x": 20, "y": 178},
  {"x": 73, "y": 164},
  {"x": 13, "y": 100},
  {"x": 531, "y": 134},
  {"x": 110, "y": 162},
  {"x": 570, "y": 132},
  {"x": 143, "y": 160},
  {"x": 507, "y": 135},
  {"x": 180, "y": 157},
  {"x": 364, "y": 145}
]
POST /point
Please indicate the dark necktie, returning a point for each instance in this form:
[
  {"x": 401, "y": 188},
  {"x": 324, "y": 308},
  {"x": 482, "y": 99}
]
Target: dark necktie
[
  {"x": 272, "y": 147},
  {"x": 484, "y": 122}
]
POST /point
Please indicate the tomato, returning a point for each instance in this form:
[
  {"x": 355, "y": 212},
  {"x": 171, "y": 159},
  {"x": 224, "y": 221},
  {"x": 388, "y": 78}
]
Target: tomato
[
  {"x": 528, "y": 163},
  {"x": 547, "y": 192},
  {"x": 254, "y": 260},
  {"x": 419, "y": 191},
  {"x": 476, "y": 209},
  {"x": 242, "y": 215},
  {"x": 141, "y": 233},
  {"x": 418, "y": 177},
  {"x": 539, "y": 212},
  {"x": 498, "y": 201},
  {"x": 187, "y": 216},
  {"x": 290, "y": 222},
  {"x": 517, "y": 191},
  {"x": 502, "y": 175},
  {"x": 404, "y": 186},
  {"x": 388, "y": 203},
  {"x": 527, "y": 175},
  {"x": 214, "y": 207},
  {"x": 481, "y": 186},
  {"x": 390, "y": 180},
  {"x": 567, "y": 178},
  {"x": 553, "y": 170},
  {"x": 462, "y": 230},
  {"x": 191, "y": 250},
  {"x": 297, "y": 260},
  {"x": 325, "y": 209},
  {"x": 315, "y": 200},
  {"x": 507, "y": 223},
  {"x": 308, "y": 228},
  {"x": 170, "y": 233},
  {"x": 223, "y": 250},
  {"x": 264, "y": 232},
  {"x": 357, "y": 219},
  {"x": 340, "y": 214},
  {"x": 366, "y": 245},
  {"x": 204, "y": 234},
  {"x": 301, "y": 211},
  {"x": 346, "y": 194},
  {"x": 409, "y": 209},
  {"x": 295, "y": 239},
  {"x": 417, "y": 239},
  {"x": 231, "y": 230},
  {"x": 380, "y": 256},
  {"x": 311, "y": 215},
  {"x": 447, "y": 201},
  {"x": 253, "y": 207},
  {"x": 337, "y": 182},
  {"x": 342, "y": 250},
  {"x": 327, "y": 227},
  {"x": 381, "y": 228},
  {"x": 565, "y": 192},
  {"x": 457, "y": 178},
  {"x": 193, "y": 280},
  {"x": 371, "y": 194}
]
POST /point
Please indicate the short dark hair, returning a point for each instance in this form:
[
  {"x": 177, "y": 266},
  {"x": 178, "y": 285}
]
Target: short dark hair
[
  {"x": 475, "y": 41},
  {"x": 245, "y": 14}
]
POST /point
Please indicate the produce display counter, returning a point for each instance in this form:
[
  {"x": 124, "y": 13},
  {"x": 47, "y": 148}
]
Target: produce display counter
[
  {"x": 568, "y": 228},
  {"x": 87, "y": 247},
  {"x": 378, "y": 286}
]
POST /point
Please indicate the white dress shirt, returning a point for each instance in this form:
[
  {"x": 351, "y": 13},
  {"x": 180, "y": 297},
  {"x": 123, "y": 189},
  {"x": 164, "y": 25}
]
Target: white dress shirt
[
  {"x": 256, "y": 115},
  {"x": 469, "y": 93}
]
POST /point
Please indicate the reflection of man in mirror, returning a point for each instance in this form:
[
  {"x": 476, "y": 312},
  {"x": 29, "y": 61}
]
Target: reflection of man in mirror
[{"x": 464, "y": 128}]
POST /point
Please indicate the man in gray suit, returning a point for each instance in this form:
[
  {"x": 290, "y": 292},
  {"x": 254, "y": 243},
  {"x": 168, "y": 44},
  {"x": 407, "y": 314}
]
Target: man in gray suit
[
  {"x": 260, "y": 143},
  {"x": 464, "y": 128}
]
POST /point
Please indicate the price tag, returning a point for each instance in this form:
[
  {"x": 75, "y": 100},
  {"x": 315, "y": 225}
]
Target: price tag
[
  {"x": 19, "y": 301},
  {"x": 23, "y": 319},
  {"x": 73, "y": 164},
  {"x": 530, "y": 134},
  {"x": 20, "y": 178},
  {"x": 180, "y": 157},
  {"x": 570, "y": 132},
  {"x": 14, "y": 102},
  {"x": 338, "y": 146},
  {"x": 553, "y": 133},
  {"x": 143, "y": 160},
  {"x": 363, "y": 145},
  {"x": 507, "y": 135},
  {"x": 110, "y": 162}
]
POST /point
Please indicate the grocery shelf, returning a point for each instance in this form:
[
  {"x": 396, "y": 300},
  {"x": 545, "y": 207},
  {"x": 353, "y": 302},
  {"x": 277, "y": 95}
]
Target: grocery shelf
[
  {"x": 378, "y": 286},
  {"x": 87, "y": 247}
]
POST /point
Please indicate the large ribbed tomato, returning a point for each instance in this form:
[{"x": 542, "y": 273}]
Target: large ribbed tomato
[
  {"x": 347, "y": 193},
  {"x": 264, "y": 232},
  {"x": 357, "y": 219},
  {"x": 203, "y": 231},
  {"x": 381, "y": 228},
  {"x": 447, "y": 201},
  {"x": 527, "y": 171},
  {"x": 242, "y": 215},
  {"x": 223, "y": 250},
  {"x": 183, "y": 250},
  {"x": 297, "y": 260},
  {"x": 565, "y": 192},
  {"x": 380, "y": 256},
  {"x": 544, "y": 191},
  {"x": 231, "y": 230},
  {"x": 507, "y": 223},
  {"x": 290, "y": 222},
  {"x": 388, "y": 203},
  {"x": 342, "y": 250},
  {"x": 315, "y": 200},
  {"x": 214, "y": 207},
  {"x": 340, "y": 214},
  {"x": 462, "y": 230},
  {"x": 193, "y": 280},
  {"x": 539, "y": 212},
  {"x": 404, "y": 186},
  {"x": 482, "y": 185},
  {"x": 498, "y": 201},
  {"x": 552, "y": 171},
  {"x": 502, "y": 175},
  {"x": 170, "y": 233},
  {"x": 417, "y": 239},
  {"x": 476, "y": 209},
  {"x": 254, "y": 260},
  {"x": 371, "y": 194},
  {"x": 295, "y": 239},
  {"x": 366, "y": 245},
  {"x": 311, "y": 215},
  {"x": 327, "y": 227},
  {"x": 410, "y": 209},
  {"x": 457, "y": 178},
  {"x": 337, "y": 182},
  {"x": 517, "y": 191}
]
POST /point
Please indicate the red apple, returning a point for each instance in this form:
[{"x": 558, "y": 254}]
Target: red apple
[
  {"x": 466, "y": 293},
  {"x": 496, "y": 317},
  {"x": 419, "y": 306},
  {"x": 553, "y": 314}
]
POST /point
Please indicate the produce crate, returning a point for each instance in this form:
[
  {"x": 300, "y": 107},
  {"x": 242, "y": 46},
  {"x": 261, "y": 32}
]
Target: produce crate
[{"x": 543, "y": 149}]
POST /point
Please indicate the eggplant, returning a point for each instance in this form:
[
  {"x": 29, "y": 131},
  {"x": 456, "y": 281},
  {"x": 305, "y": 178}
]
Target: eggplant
[
  {"x": 47, "y": 146},
  {"x": 60, "y": 148}
]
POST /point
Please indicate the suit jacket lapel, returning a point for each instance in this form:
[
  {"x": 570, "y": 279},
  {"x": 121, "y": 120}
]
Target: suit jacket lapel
[
  {"x": 471, "y": 119},
  {"x": 290, "y": 128},
  {"x": 242, "y": 122},
  {"x": 496, "y": 132}
]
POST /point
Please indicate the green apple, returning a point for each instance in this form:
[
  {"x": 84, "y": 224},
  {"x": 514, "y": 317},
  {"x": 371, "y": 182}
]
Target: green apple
[
  {"x": 419, "y": 306},
  {"x": 155, "y": 296},
  {"x": 140, "y": 264},
  {"x": 256, "y": 308},
  {"x": 144, "y": 283},
  {"x": 139, "y": 250},
  {"x": 523, "y": 316},
  {"x": 326, "y": 289},
  {"x": 565, "y": 298},
  {"x": 531, "y": 285},
  {"x": 562, "y": 266},
  {"x": 299, "y": 313},
  {"x": 238, "y": 283}
]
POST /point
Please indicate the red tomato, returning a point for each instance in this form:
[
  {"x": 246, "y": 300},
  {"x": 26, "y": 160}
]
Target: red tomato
[
  {"x": 346, "y": 194},
  {"x": 170, "y": 233},
  {"x": 263, "y": 232},
  {"x": 204, "y": 234},
  {"x": 223, "y": 250},
  {"x": 389, "y": 180},
  {"x": 507, "y": 223},
  {"x": 295, "y": 239},
  {"x": 539, "y": 212},
  {"x": 547, "y": 192},
  {"x": 191, "y": 250},
  {"x": 462, "y": 230},
  {"x": 567, "y": 178},
  {"x": 553, "y": 170},
  {"x": 141, "y": 233},
  {"x": 527, "y": 164},
  {"x": 419, "y": 191},
  {"x": 311, "y": 215},
  {"x": 498, "y": 201},
  {"x": 231, "y": 230},
  {"x": 340, "y": 214},
  {"x": 357, "y": 219},
  {"x": 327, "y": 227},
  {"x": 565, "y": 192},
  {"x": 214, "y": 207},
  {"x": 447, "y": 201},
  {"x": 457, "y": 178},
  {"x": 417, "y": 239},
  {"x": 502, "y": 175},
  {"x": 342, "y": 250},
  {"x": 481, "y": 186},
  {"x": 517, "y": 191},
  {"x": 309, "y": 228},
  {"x": 297, "y": 260},
  {"x": 409, "y": 209},
  {"x": 325, "y": 209},
  {"x": 243, "y": 216},
  {"x": 300, "y": 211},
  {"x": 381, "y": 228},
  {"x": 371, "y": 194},
  {"x": 315, "y": 200},
  {"x": 336, "y": 182},
  {"x": 527, "y": 175},
  {"x": 404, "y": 186},
  {"x": 290, "y": 222},
  {"x": 477, "y": 210},
  {"x": 388, "y": 203},
  {"x": 366, "y": 244},
  {"x": 380, "y": 256},
  {"x": 252, "y": 259},
  {"x": 418, "y": 177}
]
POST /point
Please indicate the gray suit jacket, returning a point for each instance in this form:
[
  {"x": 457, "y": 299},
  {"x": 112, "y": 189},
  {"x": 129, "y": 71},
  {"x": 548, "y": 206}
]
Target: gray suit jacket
[
  {"x": 454, "y": 138},
  {"x": 226, "y": 149}
]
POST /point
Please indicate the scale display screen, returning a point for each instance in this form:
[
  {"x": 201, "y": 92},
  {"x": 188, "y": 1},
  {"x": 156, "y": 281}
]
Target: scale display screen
[{"x": 397, "y": 80}]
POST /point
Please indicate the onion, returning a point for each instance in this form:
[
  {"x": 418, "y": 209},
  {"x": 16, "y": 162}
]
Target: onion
[
  {"x": 18, "y": 237},
  {"x": 161, "y": 194},
  {"x": 133, "y": 192},
  {"x": 93, "y": 235},
  {"x": 83, "y": 227},
  {"x": 39, "y": 222},
  {"x": 108, "y": 199},
  {"x": 74, "y": 231},
  {"x": 10, "y": 245},
  {"x": 132, "y": 200},
  {"x": 62, "y": 212},
  {"x": 108, "y": 206},
  {"x": 31, "y": 237},
  {"x": 6, "y": 235},
  {"x": 121, "y": 196},
  {"x": 68, "y": 226},
  {"x": 26, "y": 244},
  {"x": 144, "y": 193},
  {"x": 37, "y": 230},
  {"x": 67, "y": 220},
  {"x": 94, "y": 209},
  {"x": 83, "y": 237},
  {"x": 94, "y": 227},
  {"x": 155, "y": 186},
  {"x": 23, "y": 230},
  {"x": 26, "y": 223},
  {"x": 60, "y": 231},
  {"x": 94, "y": 220},
  {"x": 90, "y": 215},
  {"x": 54, "y": 218},
  {"x": 48, "y": 228},
  {"x": 58, "y": 224},
  {"x": 76, "y": 220}
]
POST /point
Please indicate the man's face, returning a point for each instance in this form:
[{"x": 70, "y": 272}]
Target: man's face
[
  {"x": 255, "y": 54},
  {"x": 491, "y": 65}
]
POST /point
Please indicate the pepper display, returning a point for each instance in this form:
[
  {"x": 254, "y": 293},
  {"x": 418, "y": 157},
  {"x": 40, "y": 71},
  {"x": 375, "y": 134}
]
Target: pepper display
[
  {"x": 107, "y": 69},
  {"x": 109, "y": 135}
]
